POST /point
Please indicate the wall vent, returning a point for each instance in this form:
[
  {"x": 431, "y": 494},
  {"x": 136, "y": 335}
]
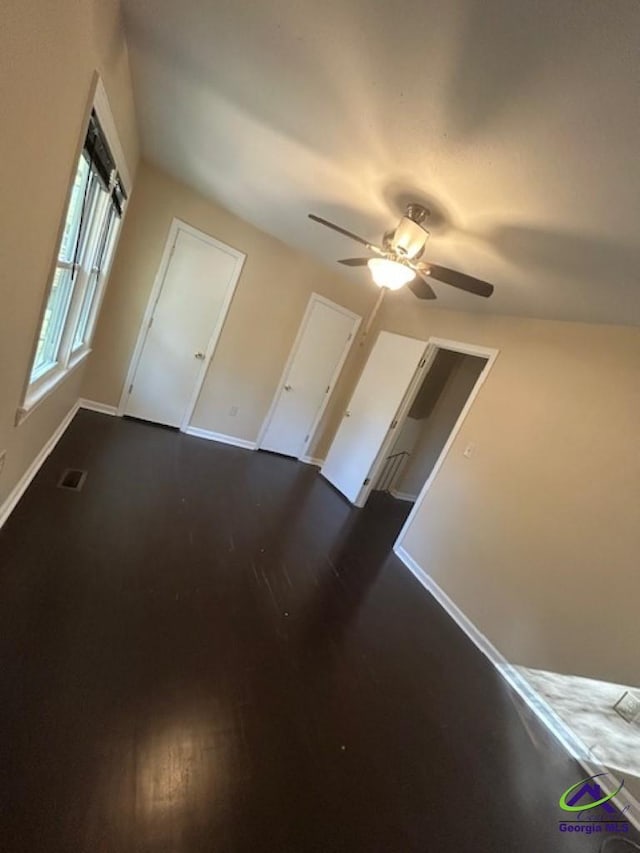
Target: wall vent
[{"x": 72, "y": 479}]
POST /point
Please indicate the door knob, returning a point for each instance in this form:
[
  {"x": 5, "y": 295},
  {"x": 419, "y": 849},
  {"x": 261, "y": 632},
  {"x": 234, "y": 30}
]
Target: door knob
[
  {"x": 287, "y": 387},
  {"x": 347, "y": 414},
  {"x": 199, "y": 356}
]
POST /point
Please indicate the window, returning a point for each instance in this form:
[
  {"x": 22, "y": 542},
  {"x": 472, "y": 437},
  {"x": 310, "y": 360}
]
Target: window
[{"x": 88, "y": 238}]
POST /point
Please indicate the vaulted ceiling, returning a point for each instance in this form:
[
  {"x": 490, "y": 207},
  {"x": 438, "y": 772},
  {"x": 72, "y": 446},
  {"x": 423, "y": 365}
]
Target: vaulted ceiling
[{"x": 517, "y": 122}]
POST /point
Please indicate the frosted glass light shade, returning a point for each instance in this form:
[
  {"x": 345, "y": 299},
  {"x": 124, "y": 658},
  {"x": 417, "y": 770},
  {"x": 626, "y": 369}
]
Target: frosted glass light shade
[{"x": 389, "y": 274}]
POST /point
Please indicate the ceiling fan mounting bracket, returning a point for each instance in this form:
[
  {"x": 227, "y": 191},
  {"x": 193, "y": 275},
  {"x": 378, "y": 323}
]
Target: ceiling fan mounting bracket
[{"x": 417, "y": 213}]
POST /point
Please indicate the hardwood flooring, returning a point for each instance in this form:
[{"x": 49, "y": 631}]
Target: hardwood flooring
[{"x": 207, "y": 649}]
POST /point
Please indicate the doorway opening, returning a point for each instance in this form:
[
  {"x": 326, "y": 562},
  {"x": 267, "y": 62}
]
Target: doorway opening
[
  {"x": 430, "y": 419},
  {"x": 366, "y": 451}
]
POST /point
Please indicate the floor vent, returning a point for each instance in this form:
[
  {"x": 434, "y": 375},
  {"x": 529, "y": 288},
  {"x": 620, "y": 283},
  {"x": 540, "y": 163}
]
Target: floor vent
[{"x": 72, "y": 479}]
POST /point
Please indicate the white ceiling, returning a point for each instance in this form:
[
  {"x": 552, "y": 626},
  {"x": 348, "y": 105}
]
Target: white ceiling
[{"x": 517, "y": 120}]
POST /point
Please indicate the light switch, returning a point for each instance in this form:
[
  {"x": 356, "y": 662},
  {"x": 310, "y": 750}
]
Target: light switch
[{"x": 469, "y": 450}]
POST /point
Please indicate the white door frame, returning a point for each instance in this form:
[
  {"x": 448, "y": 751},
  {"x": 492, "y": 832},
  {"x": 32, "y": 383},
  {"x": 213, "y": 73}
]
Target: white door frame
[
  {"x": 314, "y": 299},
  {"x": 432, "y": 345},
  {"x": 178, "y": 225}
]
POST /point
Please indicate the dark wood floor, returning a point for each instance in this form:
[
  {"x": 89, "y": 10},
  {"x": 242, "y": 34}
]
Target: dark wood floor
[{"x": 207, "y": 650}]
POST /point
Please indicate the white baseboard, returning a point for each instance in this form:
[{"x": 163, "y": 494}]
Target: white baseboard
[
  {"x": 221, "y": 437},
  {"x": 573, "y": 745},
  {"x": 485, "y": 645},
  {"x": 23, "y": 483},
  {"x": 312, "y": 460},
  {"x": 102, "y": 408},
  {"x": 403, "y": 496}
]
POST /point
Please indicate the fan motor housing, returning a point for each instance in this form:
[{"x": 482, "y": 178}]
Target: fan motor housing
[{"x": 409, "y": 238}]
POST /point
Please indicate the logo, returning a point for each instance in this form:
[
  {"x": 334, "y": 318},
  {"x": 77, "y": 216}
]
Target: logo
[
  {"x": 590, "y": 788},
  {"x": 602, "y": 815}
]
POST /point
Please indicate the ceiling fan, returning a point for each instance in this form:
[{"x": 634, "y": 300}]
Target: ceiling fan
[{"x": 398, "y": 261}]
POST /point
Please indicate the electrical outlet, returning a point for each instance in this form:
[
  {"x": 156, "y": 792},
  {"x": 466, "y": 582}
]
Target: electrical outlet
[
  {"x": 3, "y": 457},
  {"x": 628, "y": 706},
  {"x": 233, "y": 411}
]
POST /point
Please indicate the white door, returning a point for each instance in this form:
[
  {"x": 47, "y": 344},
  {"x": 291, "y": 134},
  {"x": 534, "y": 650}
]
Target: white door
[
  {"x": 183, "y": 321},
  {"x": 381, "y": 389},
  {"x": 318, "y": 354}
]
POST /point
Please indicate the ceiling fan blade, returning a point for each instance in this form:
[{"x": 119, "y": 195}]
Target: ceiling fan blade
[
  {"x": 354, "y": 262},
  {"x": 339, "y": 229},
  {"x": 460, "y": 280},
  {"x": 421, "y": 288}
]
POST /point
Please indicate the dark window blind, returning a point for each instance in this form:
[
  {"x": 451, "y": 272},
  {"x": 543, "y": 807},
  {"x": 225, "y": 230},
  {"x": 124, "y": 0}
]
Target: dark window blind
[{"x": 96, "y": 149}]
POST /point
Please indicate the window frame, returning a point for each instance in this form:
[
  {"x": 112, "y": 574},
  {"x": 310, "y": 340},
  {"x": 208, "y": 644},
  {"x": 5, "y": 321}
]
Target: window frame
[
  {"x": 70, "y": 352},
  {"x": 90, "y": 295}
]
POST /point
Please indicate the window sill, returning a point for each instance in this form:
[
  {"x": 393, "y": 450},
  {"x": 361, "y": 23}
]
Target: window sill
[{"x": 46, "y": 387}]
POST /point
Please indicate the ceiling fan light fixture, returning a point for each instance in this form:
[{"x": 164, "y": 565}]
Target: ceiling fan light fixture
[
  {"x": 395, "y": 267},
  {"x": 409, "y": 238},
  {"x": 389, "y": 274}
]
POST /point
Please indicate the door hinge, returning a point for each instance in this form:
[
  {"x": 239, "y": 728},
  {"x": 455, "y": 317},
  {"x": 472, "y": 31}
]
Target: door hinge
[
  {"x": 350, "y": 336},
  {"x": 150, "y": 322},
  {"x": 130, "y": 388},
  {"x": 423, "y": 362},
  {"x": 394, "y": 424},
  {"x": 367, "y": 481},
  {"x": 328, "y": 389}
]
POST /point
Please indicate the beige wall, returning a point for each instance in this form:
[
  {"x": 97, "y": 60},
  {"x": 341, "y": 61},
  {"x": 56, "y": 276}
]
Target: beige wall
[
  {"x": 48, "y": 54},
  {"x": 262, "y": 322},
  {"x": 536, "y": 537}
]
